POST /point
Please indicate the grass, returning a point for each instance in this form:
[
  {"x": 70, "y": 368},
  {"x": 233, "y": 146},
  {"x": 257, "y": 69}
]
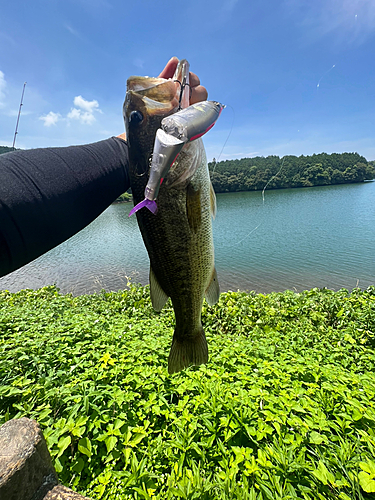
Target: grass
[{"x": 285, "y": 408}]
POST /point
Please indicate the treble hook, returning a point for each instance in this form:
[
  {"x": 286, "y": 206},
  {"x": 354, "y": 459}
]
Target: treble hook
[{"x": 183, "y": 85}]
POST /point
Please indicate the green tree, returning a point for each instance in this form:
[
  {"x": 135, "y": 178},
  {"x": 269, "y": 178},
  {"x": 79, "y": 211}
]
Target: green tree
[
  {"x": 5, "y": 149},
  {"x": 249, "y": 174}
]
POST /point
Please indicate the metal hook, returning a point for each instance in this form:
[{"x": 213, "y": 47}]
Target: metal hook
[
  {"x": 183, "y": 85},
  {"x": 147, "y": 169}
]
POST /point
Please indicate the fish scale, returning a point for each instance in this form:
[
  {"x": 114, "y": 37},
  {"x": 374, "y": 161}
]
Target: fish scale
[{"x": 178, "y": 238}]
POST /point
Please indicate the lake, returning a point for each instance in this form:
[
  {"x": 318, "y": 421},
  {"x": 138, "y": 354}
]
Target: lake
[{"x": 293, "y": 239}]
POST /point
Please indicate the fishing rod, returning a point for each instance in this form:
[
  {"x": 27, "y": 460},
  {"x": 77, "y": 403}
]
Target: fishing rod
[{"x": 18, "y": 117}]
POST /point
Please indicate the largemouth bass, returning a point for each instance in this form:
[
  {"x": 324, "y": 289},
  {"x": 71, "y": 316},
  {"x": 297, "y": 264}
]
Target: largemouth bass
[{"x": 178, "y": 238}]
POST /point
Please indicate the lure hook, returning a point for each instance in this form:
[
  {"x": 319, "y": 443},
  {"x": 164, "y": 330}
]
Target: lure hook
[
  {"x": 183, "y": 85},
  {"x": 175, "y": 131}
]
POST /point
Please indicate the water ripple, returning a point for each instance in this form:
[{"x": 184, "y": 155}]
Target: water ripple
[{"x": 297, "y": 239}]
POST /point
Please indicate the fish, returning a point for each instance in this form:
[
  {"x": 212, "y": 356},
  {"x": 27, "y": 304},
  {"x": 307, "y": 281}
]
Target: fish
[{"x": 178, "y": 238}]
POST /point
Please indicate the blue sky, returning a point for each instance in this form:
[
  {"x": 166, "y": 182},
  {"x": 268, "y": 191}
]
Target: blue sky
[{"x": 298, "y": 76}]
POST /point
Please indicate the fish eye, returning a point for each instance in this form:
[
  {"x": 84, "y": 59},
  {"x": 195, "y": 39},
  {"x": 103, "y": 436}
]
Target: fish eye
[{"x": 136, "y": 117}]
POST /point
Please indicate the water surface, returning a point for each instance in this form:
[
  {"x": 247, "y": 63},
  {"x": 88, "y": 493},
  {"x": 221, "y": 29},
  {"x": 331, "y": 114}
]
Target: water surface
[{"x": 295, "y": 239}]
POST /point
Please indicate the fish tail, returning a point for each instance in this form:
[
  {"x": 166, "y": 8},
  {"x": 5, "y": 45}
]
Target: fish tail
[{"x": 187, "y": 351}]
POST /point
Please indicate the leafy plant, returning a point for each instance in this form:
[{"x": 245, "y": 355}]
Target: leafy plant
[{"x": 284, "y": 409}]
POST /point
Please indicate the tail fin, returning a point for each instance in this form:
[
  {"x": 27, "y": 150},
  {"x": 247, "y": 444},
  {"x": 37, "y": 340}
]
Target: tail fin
[{"x": 187, "y": 351}]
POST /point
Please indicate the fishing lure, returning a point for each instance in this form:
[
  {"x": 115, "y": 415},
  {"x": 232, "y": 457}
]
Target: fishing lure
[{"x": 175, "y": 131}]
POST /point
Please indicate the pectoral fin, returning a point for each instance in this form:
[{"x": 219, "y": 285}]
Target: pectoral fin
[
  {"x": 213, "y": 291},
  {"x": 193, "y": 208},
  {"x": 158, "y": 296},
  {"x": 191, "y": 157}
]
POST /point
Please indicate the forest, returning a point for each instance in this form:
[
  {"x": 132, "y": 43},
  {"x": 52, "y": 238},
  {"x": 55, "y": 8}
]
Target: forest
[
  {"x": 250, "y": 174},
  {"x": 5, "y": 149}
]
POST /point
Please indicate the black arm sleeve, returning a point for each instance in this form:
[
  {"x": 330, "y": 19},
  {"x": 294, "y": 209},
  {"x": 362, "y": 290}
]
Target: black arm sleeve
[{"x": 48, "y": 195}]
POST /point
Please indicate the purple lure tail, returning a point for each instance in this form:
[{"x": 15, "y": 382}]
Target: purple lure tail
[{"x": 150, "y": 204}]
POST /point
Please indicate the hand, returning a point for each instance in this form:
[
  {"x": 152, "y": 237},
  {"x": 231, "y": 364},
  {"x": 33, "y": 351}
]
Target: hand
[{"x": 198, "y": 92}]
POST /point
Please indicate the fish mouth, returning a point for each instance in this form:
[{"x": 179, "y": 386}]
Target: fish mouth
[
  {"x": 156, "y": 96},
  {"x": 159, "y": 96}
]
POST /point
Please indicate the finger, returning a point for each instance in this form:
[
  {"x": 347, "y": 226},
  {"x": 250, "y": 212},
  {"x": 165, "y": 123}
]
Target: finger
[
  {"x": 198, "y": 94},
  {"x": 122, "y": 136},
  {"x": 193, "y": 80},
  {"x": 170, "y": 68}
]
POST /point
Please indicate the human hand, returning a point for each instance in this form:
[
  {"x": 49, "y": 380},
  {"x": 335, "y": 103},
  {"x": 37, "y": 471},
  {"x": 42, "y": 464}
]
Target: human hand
[{"x": 198, "y": 92}]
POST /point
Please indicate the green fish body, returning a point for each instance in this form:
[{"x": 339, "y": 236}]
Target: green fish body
[{"x": 179, "y": 237}]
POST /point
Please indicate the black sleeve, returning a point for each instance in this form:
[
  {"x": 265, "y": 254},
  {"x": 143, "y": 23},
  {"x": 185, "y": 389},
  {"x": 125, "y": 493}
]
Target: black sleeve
[{"x": 48, "y": 195}]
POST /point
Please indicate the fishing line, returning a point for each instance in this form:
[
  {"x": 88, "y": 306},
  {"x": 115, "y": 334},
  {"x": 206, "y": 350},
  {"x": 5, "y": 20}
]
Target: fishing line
[
  {"x": 273, "y": 177},
  {"x": 226, "y": 140},
  {"x": 263, "y": 201},
  {"x": 326, "y": 73},
  {"x": 265, "y": 187}
]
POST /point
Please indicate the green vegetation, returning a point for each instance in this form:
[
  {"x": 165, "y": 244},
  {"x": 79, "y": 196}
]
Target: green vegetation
[
  {"x": 124, "y": 198},
  {"x": 5, "y": 149},
  {"x": 251, "y": 174},
  {"x": 285, "y": 409}
]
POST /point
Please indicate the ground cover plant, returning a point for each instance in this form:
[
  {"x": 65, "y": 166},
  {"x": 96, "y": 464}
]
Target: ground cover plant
[{"x": 284, "y": 409}]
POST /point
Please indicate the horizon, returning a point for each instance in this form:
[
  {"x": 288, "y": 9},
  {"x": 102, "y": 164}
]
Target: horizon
[
  {"x": 296, "y": 77},
  {"x": 244, "y": 157}
]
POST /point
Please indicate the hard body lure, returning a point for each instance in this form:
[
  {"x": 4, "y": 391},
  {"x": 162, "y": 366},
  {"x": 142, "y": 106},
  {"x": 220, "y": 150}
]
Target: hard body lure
[{"x": 176, "y": 130}]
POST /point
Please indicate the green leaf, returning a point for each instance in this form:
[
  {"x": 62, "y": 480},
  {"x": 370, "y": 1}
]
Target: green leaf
[
  {"x": 63, "y": 443},
  {"x": 58, "y": 466},
  {"x": 110, "y": 442},
  {"x": 356, "y": 415},
  {"x": 316, "y": 438},
  {"x": 323, "y": 474},
  {"x": 79, "y": 465},
  {"x": 84, "y": 446},
  {"x": 344, "y": 496},
  {"x": 368, "y": 467},
  {"x": 137, "y": 438},
  {"x": 366, "y": 482},
  {"x": 118, "y": 423}
]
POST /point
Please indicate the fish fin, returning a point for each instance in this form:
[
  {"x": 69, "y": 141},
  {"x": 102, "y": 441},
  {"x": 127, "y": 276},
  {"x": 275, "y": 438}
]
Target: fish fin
[
  {"x": 212, "y": 201},
  {"x": 190, "y": 158},
  {"x": 193, "y": 208},
  {"x": 187, "y": 351},
  {"x": 212, "y": 293},
  {"x": 158, "y": 296}
]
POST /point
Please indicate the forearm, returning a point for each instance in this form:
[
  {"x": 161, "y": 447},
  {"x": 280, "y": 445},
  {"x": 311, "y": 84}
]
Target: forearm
[{"x": 48, "y": 195}]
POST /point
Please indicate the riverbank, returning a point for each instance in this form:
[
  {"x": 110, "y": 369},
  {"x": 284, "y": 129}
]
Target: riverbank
[
  {"x": 123, "y": 198},
  {"x": 284, "y": 406}
]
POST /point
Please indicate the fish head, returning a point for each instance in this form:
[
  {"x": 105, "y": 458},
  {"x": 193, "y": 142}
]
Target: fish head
[{"x": 148, "y": 100}]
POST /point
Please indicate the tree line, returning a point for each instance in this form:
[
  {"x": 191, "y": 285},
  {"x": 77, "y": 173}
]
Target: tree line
[
  {"x": 250, "y": 174},
  {"x": 5, "y": 149}
]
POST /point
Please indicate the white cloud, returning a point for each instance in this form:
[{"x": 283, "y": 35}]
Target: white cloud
[
  {"x": 83, "y": 113},
  {"x": 84, "y": 110},
  {"x": 50, "y": 119},
  {"x": 2, "y": 88}
]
